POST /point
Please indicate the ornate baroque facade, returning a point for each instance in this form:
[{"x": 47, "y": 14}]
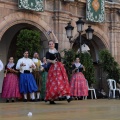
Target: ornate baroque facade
[{"x": 55, "y": 16}]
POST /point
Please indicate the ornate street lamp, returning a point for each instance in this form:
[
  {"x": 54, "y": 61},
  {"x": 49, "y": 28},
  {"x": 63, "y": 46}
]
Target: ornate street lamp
[
  {"x": 80, "y": 25},
  {"x": 89, "y": 33},
  {"x": 69, "y": 30}
]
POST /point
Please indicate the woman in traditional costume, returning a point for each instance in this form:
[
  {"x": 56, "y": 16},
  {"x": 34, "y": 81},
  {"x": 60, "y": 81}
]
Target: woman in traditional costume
[
  {"x": 10, "y": 87},
  {"x": 44, "y": 77},
  {"x": 37, "y": 73},
  {"x": 78, "y": 84},
  {"x": 57, "y": 80}
]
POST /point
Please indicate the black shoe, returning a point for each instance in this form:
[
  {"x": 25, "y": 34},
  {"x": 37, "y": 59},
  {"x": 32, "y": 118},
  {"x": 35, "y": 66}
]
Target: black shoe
[
  {"x": 7, "y": 101},
  {"x": 13, "y": 100},
  {"x": 60, "y": 99},
  {"x": 76, "y": 98},
  {"x": 52, "y": 102},
  {"x": 69, "y": 100},
  {"x": 38, "y": 99},
  {"x": 79, "y": 98},
  {"x": 25, "y": 100},
  {"x": 32, "y": 100}
]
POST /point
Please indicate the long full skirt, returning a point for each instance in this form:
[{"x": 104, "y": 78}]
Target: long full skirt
[
  {"x": 78, "y": 85},
  {"x": 57, "y": 82},
  {"x": 38, "y": 79},
  {"x": 27, "y": 83},
  {"x": 44, "y": 79},
  {"x": 10, "y": 88}
]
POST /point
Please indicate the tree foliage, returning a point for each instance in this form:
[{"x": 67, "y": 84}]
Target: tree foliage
[
  {"x": 109, "y": 65},
  {"x": 86, "y": 60},
  {"x": 89, "y": 72},
  {"x": 28, "y": 40},
  {"x": 68, "y": 59}
]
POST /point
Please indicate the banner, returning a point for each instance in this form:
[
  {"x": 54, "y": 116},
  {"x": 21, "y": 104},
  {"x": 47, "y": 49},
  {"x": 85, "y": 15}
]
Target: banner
[
  {"x": 95, "y": 10},
  {"x": 36, "y": 5}
]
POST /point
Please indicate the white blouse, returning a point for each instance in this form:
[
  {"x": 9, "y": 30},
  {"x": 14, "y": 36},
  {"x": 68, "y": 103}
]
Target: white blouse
[
  {"x": 77, "y": 64},
  {"x": 1, "y": 65},
  {"x": 35, "y": 60},
  {"x": 28, "y": 63},
  {"x": 53, "y": 51}
]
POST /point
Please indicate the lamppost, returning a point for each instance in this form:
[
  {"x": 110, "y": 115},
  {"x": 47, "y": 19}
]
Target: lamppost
[
  {"x": 89, "y": 33},
  {"x": 69, "y": 30},
  {"x": 80, "y": 25}
]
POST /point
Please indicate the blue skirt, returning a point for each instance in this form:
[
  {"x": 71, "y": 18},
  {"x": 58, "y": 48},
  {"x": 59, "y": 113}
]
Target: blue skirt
[{"x": 27, "y": 83}]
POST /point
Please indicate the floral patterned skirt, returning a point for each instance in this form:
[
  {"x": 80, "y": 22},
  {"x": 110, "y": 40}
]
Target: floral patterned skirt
[
  {"x": 57, "y": 82},
  {"x": 78, "y": 85}
]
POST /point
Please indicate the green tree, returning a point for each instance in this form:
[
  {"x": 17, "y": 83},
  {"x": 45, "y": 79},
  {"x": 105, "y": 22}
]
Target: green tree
[
  {"x": 86, "y": 60},
  {"x": 69, "y": 57},
  {"x": 109, "y": 65},
  {"x": 28, "y": 40}
]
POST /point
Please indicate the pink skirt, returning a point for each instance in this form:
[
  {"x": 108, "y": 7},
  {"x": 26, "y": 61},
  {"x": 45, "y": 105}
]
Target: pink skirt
[
  {"x": 10, "y": 88},
  {"x": 78, "y": 85},
  {"x": 57, "y": 82}
]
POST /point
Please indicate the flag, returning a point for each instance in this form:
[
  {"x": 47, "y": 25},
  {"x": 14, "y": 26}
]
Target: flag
[
  {"x": 35, "y": 5},
  {"x": 95, "y": 10}
]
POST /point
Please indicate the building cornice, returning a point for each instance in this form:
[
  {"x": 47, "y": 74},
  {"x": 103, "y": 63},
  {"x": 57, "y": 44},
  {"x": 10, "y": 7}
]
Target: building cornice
[
  {"x": 8, "y": 2},
  {"x": 109, "y": 5}
]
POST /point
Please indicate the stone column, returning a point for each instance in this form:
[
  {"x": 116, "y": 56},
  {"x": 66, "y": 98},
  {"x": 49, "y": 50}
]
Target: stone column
[
  {"x": 112, "y": 33},
  {"x": 60, "y": 20}
]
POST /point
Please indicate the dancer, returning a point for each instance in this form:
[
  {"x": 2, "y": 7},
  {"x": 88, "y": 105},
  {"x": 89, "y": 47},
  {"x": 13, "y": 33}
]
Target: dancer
[
  {"x": 37, "y": 73},
  {"x": 10, "y": 88},
  {"x": 78, "y": 85},
  {"x": 1, "y": 65},
  {"x": 57, "y": 81},
  {"x": 44, "y": 77},
  {"x": 27, "y": 82}
]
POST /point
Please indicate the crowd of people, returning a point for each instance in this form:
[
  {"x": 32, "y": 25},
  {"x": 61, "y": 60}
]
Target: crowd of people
[{"x": 43, "y": 80}]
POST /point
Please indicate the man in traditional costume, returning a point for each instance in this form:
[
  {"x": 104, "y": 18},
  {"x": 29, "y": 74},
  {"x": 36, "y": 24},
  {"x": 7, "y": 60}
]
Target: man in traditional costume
[
  {"x": 27, "y": 82},
  {"x": 37, "y": 73}
]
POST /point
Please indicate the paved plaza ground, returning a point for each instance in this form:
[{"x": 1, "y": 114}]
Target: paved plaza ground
[{"x": 101, "y": 109}]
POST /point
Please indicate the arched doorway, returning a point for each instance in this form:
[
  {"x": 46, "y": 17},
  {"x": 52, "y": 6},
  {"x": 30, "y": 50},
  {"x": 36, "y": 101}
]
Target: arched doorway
[
  {"x": 13, "y": 35},
  {"x": 95, "y": 45},
  {"x": 9, "y": 39}
]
